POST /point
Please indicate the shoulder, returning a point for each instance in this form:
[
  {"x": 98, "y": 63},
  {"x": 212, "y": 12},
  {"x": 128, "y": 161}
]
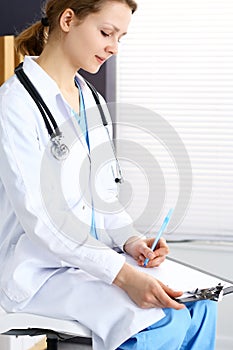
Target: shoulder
[
  {"x": 15, "y": 102},
  {"x": 8, "y": 87},
  {"x": 12, "y": 92}
]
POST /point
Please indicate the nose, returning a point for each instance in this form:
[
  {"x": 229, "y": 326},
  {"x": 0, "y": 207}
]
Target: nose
[{"x": 112, "y": 48}]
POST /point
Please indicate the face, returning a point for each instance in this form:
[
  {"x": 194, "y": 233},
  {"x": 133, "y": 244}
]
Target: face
[{"x": 89, "y": 44}]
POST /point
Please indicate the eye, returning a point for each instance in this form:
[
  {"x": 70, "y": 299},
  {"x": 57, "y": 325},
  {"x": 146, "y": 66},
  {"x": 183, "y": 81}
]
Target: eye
[{"x": 105, "y": 34}]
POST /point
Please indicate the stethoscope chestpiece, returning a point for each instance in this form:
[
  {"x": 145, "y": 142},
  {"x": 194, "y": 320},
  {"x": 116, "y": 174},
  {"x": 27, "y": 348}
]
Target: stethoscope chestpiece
[{"x": 59, "y": 150}]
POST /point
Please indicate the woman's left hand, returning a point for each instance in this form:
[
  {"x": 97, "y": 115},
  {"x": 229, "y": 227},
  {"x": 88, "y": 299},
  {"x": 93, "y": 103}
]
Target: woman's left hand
[{"x": 140, "y": 249}]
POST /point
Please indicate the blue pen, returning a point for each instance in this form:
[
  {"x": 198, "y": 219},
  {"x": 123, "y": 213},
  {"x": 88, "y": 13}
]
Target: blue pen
[{"x": 162, "y": 228}]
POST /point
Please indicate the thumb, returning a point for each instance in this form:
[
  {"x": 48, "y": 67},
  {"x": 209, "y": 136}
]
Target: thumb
[
  {"x": 147, "y": 252},
  {"x": 172, "y": 294}
]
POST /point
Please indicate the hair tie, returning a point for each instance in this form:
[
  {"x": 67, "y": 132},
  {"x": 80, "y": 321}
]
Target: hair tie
[{"x": 45, "y": 21}]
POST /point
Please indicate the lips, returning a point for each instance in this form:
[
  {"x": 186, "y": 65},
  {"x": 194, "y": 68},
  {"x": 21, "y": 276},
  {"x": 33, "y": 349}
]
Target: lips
[{"x": 101, "y": 60}]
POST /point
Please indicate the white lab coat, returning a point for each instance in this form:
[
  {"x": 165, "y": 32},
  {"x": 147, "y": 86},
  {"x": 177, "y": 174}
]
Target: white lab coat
[{"x": 46, "y": 211}]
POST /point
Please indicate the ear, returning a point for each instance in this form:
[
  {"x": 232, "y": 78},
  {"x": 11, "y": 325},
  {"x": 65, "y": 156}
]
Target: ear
[{"x": 66, "y": 19}]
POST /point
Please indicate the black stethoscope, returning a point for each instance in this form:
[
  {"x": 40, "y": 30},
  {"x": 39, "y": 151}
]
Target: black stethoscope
[{"x": 58, "y": 149}]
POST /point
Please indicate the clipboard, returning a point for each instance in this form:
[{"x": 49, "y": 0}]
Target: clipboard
[{"x": 195, "y": 283}]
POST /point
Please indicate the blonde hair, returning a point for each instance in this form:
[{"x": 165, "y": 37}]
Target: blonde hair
[{"x": 33, "y": 39}]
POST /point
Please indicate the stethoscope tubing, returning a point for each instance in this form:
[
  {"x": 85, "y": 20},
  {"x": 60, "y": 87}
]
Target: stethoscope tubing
[
  {"x": 50, "y": 122},
  {"x": 60, "y": 151}
]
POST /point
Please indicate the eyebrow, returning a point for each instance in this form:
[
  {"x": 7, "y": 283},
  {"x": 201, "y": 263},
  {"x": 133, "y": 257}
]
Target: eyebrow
[{"x": 115, "y": 28}]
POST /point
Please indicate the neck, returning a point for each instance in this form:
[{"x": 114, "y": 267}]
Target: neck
[{"x": 56, "y": 65}]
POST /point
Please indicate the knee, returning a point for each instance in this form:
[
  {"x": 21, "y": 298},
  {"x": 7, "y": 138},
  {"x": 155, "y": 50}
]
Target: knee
[
  {"x": 206, "y": 309},
  {"x": 168, "y": 333},
  {"x": 180, "y": 319},
  {"x": 175, "y": 326}
]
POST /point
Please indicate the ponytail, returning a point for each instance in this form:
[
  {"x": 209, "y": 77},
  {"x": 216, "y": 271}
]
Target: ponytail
[{"x": 32, "y": 40}]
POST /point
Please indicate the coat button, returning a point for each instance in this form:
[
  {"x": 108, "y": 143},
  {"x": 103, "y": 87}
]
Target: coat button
[{"x": 83, "y": 207}]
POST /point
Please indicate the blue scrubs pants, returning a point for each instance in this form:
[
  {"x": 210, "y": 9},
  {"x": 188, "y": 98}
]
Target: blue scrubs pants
[{"x": 192, "y": 328}]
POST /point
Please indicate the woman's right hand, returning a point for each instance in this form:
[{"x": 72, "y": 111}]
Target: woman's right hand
[{"x": 145, "y": 290}]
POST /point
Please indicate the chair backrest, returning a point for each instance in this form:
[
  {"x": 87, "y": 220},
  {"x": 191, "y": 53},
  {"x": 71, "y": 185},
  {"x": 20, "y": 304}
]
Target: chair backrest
[{"x": 8, "y": 57}]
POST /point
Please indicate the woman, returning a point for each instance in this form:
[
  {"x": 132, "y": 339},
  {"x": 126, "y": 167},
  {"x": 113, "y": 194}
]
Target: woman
[{"x": 58, "y": 255}]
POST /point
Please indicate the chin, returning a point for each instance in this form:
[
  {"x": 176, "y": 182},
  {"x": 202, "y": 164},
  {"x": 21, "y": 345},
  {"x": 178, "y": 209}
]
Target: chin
[{"x": 92, "y": 70}]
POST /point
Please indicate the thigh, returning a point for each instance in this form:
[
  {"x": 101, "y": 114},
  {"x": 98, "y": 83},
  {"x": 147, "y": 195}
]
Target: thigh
[
  {"x": 191, "y": 328},
  {"x": 166, "y": 334},
  {"x": 107, "y": 310}
]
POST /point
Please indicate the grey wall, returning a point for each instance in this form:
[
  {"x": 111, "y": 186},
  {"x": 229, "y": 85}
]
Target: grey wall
[{"x": 15, "y": 15}]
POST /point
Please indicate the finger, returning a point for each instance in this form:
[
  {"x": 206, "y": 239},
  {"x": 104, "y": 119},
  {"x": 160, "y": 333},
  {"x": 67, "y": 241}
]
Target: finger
[
  {"x": 162, "y": 243},
  {"x": 157, "y": 261},
  {"x": 171, "y": 292},
  {"x": 171, "y": 303},
  {"x": 169, "y": 299},
  {"x": 141, "y": 258},
  {"x": 146, "y": 252},
  {"x": 141, "y": 261},
  {"x": 161, "y": 252},
  {"x": 162, "y": 247},
  {"x": 162, "y": 299},
  {"x": 149, "y": 241}
]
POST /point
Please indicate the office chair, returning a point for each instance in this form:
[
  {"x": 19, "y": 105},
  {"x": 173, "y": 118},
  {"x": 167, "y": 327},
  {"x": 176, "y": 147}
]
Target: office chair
[{"x": 55, "y": 330}]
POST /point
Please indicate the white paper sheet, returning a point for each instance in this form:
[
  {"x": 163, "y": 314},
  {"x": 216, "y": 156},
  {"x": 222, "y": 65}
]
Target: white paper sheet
[{"x": 180, "y": 277}]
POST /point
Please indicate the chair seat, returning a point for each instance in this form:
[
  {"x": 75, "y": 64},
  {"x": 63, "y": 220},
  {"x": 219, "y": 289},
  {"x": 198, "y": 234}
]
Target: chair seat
[{"x": 24, "y": 323}]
